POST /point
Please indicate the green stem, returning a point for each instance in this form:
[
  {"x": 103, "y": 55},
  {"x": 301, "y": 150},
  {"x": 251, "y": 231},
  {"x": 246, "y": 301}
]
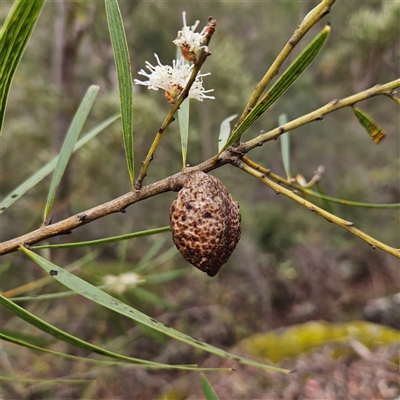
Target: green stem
[
  {"x": 314, "y": 16},
  {"x": 303, "y": 189},
  {"x": 320, "y": 112},
  {"x": 374, "y": 243}
]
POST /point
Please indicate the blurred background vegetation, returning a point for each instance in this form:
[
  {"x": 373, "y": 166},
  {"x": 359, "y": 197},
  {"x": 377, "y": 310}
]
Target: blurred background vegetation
[{"x": 290, "y": 266}]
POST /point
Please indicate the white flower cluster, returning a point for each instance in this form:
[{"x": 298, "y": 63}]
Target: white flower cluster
[
  {"x": 191, "y": 42},
  {"x": 173, "y": 79}
]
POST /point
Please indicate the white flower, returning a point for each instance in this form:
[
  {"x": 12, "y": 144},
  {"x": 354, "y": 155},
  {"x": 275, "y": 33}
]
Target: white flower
[
  {"x": 120, "y": 283},
  {"x": 173, "y": 80},
  {"x": 191, "y": 42}
]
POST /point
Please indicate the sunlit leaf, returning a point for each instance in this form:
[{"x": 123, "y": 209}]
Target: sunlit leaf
[
  {"x": 305, "y": 58},
  {"x": 373, "y": 129},
  {"x": 183, "y": 118},
  {"x": 69, "y": 145},
  {"x": 124, "y": 75},
  {"x": 285, "y": 147},
  {"x": 224, "y": 131},
  {"x": 14, "y": 37}
]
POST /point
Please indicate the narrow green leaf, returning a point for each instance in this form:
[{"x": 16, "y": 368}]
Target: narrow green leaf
[
  {"x": 351, "y": 203},
  {"x": 14, "y": 37},
  {"x": 98, "y": 296},
  {"x": 105, "y": 240},
  {"x": 183, "y": 118},
  {"x": 69, "y": 144},
  {"x": 124, "y": 75},
  {"x": 20, "y": 190},
  {"x": 66, "y": 337},
  {"x": 373, "y": 129},
  {"x": 58, "y": 333},
  {"x": 285, "y": 147},
  {"x": 305, "y": 58},
  {"x": 17, "y": 335},
  {"x": 42, "y": 297},
  {"x": 208, "y": 390},
  {"x": 71, "y": 357},
  {"x": 46, "y": 381},
  {"x": 224, "y": 131}
]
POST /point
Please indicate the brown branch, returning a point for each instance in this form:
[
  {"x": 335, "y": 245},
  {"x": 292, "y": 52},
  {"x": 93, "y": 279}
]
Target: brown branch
[
  {"x": 232, "y": 155},
  {"x": 172, "y": 183}
]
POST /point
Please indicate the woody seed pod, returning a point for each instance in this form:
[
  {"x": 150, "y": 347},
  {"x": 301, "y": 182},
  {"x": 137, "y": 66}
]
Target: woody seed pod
[{"x": 205, "y": 222}]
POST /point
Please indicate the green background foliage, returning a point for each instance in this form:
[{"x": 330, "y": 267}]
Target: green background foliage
[{"x": 290, "y": 267}]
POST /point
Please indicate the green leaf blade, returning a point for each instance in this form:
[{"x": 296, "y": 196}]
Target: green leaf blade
[
  {"x": 373, "y": 129},
  {"x": 293, "y": 72},
  {"x": 285, "y": 147},
  {"x": 208, "y": 390},
  {"x": 124, "y": 75},
  {"x": 14, "y": 37},
  {"x": 108, "y": 240},
  {"x": 98, "y": 296},
  {"x": 224, "y": 131},
  {"x": 183, "y": 118},
  {"x": 69, "y": 145},
  {"x": 75, "y": 341},
  {"x": 33, "y": 180}
]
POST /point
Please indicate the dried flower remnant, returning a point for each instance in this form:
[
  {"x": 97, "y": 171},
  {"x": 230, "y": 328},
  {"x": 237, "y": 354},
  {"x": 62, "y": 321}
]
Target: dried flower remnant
[
  {"x": 205, "y": 222},
  {"x": 120, "y": 283},
  {"x": 173, "y": 80},
  {"x": 190, "y": 42}
]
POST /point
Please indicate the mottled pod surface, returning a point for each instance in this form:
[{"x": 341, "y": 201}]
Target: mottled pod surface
[{"x": 205, "y": 222}]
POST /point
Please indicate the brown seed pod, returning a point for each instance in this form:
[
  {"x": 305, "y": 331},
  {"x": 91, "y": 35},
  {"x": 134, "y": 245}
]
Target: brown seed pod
[{"x": 205, "y": 222}]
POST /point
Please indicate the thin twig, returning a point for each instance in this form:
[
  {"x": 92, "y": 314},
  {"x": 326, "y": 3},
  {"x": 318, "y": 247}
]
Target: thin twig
[
  {"x": 374, "y": 243},
  {"x": 174, "y": 108},
  {"x": 174, "y": 182},
  {"x": 318, "y": 114},
  {"x": 306, "y": 190},
  {"x": 314, "y": 16}
]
